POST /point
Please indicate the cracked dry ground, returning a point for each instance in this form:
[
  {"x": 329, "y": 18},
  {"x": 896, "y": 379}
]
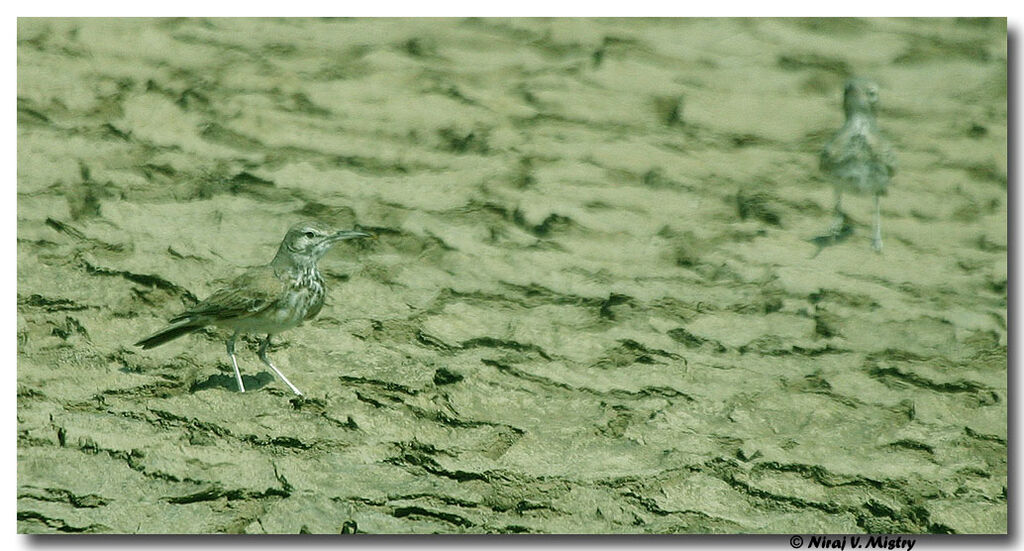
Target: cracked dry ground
[{"x": 592, "y": 306}]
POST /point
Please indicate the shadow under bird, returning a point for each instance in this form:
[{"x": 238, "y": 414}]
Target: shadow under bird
[
  {"x": 859, "y": 159},
  {"x": 266, "y": 299}
]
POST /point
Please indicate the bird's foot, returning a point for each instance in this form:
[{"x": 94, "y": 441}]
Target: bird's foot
[
  {"x": 876, "y": 244},
  {"x": 839, "y": 225}
]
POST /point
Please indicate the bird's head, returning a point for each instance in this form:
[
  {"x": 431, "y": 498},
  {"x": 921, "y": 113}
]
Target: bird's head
[{"x": 310, "y": 240}]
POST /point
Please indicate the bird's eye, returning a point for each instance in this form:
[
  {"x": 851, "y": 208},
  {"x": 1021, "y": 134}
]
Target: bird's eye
[{"x": 309, "y": 235}]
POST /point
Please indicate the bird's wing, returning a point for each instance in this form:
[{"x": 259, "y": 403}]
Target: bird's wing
[
  {"x": 247, "y": 294},
  {"x": 886, "y": 156},
  {"x": 825, "y": 160},
  {"x": 829, "y": 157}
]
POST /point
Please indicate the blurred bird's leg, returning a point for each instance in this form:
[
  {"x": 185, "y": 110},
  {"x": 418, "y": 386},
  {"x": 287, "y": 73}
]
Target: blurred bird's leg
[
  {"x": 876, "y": 242},
  {"x": 839, "y": 218}
]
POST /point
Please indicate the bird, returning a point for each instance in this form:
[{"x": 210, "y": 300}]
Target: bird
[
  {"x": 858, "y": 158},
  {"x": 265, "y": 299}
]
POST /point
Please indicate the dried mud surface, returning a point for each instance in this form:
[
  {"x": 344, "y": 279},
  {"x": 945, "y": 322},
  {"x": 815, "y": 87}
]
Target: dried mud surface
[{"x": 593, "y": 305}]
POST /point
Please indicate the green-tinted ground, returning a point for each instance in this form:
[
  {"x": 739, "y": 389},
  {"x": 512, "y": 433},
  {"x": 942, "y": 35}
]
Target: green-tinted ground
[{"x": 593, "y": 305}]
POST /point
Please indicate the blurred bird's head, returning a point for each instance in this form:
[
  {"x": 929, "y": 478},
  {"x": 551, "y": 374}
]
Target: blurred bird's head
[{"x": 860, "y": 96}]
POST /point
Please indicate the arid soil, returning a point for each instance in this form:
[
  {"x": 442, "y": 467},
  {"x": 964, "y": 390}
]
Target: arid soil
[{"x": 594, "y": 304}]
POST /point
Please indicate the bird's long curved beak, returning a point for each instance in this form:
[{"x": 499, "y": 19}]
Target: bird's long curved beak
[{"x": 348, "y": 234}]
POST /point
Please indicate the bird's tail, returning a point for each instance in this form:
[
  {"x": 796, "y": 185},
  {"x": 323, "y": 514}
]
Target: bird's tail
[{"x": 168, "y": 334}]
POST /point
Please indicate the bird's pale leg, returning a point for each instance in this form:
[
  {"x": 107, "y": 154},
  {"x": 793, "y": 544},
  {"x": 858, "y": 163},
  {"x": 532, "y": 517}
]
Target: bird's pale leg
[
  {"x": 234, "y": 362},
  {"x": 266, "y": 360},
  {"x": 876, "y": 242}
]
